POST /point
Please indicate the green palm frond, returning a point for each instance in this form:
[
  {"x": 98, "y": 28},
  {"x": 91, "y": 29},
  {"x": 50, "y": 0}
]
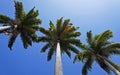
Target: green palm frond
[
  {"x": 82, "y": 56},
  {"x": 45, "y": 47},
  {"x": 5, "y": 20},
  {"x": 19, "y": 11},
  {"x": 44, "y": 31},
  {"x": 12, "y": 39},
  {"x": 44, "y": 39},
  {"x": 103, "y": 37},
  {"x": 50, "y": 53},
  {"x": 52, "y": 27},
  {"x": 31, "y": 17},
  {"x": 73, "y": 49},
  {"x": 59, "y": 25},
  {"x": 26, "y": 40},
  {"x": 111, "y": 46},
  {"x": 89, "y": 37},
  {"x": 87, "y": 66},
  {"x": 72, "y": 41},
  {"x": 68, "y": 52}
]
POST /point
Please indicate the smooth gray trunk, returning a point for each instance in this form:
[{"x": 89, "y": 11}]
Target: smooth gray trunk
[
  {"x": 112, "y": 68},
  {"x": 58, "y": 61},
  {"x": 2, "y": 28}
]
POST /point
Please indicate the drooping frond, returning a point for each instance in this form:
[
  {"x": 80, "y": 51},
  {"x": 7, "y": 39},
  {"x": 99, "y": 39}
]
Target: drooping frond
[
  {"x": 26, "y": 40},
  {"x": 12, "y": 39},
  {"x": 50, "y": 53},
  {"x": 113, "y": 48},
  {"x": 44, "y": 31},
  {"x": 87, "y": 66},
  {"x": 72, "y": 41},
  {"x": 45, "y": 47},
  {"x": 5, "y": 20},
  {"x": 74, "y": 49},
  {"x": 68, "y": 52},
  {"x": 82, "y": 56},
  {"x": 44, "y": 39}
]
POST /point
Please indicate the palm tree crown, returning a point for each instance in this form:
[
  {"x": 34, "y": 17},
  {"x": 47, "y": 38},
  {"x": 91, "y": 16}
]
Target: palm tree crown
[
  {"x": 64, "y": 33},
  {"x": 99, "y": 49},
  {"x": 25, "y": 24}
]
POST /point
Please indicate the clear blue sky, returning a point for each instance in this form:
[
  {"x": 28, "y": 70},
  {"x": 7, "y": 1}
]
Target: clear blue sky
[{"x": 95, "y": 15}]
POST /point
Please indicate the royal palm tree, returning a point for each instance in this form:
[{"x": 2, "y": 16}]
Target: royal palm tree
[
  {"x": 99, "y": 49},
  {"x": 25, "y": 24},
  {"x": 60, "y": 38}
]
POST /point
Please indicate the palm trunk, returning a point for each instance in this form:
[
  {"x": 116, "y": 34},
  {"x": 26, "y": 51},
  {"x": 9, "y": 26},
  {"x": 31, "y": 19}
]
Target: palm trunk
[
  {"x": 112, "y": 68},
  {"x": 2, "y": 28},
  {"x": 58, "y": 61}
]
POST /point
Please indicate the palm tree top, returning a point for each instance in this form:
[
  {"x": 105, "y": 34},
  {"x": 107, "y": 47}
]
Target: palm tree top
[
  {"x": 64, "y": 33},
  {"x": 25, "y": 24},
  {"x": 98, "y": 48}
]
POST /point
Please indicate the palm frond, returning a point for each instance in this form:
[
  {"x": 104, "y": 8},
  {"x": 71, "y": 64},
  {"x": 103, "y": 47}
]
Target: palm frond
[
  {"x": 103, "y": 37},
  {"x": 74, "y": 49},
  {"x": 45, "y": 47},
  {"x": 89, "y": 37},
  {"x": 12, "y": 39},
  {"x": 26, "y": 40},
  {"x": 59, "y": 25},
  {"x": 19, "y": 11},
  {"x": 72, "y": 41},
  {"x": 52, "y": 27},
  {"x": 50, "y": 53},
  {"x": 68, "y": 53},
  {"x": 5, "y": 20},
  {"x": 44, "y": 31},
  {"x": 87, "y": 66},
  {"x": 44, "y": 39}
]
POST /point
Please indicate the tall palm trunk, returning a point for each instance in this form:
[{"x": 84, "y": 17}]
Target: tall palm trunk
[
  {"x": 2, "y": 28},
  {"x": 109, "y": 65},
  {"x": 58, "y": 61},
  {"x": 112, "y": 68}
]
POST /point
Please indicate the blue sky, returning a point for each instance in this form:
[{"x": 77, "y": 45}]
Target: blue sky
[{"x": 95, "y": 15}]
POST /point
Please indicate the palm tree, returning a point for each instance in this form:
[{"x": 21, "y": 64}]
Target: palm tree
[
  {"x": 25, "y": 24},
  {"x": 99, "y": 49},
  {"x": 60, "y": 38}
]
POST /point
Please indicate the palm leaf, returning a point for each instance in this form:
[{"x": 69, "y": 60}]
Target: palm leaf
[
  {"x": 12, "y": 39},
  {"x": 19, "y": 11},
  {"x": 87, "y": 66},
  {"x": 5, "y": 20},
  {"x": 50, "y": 53},
  {"x": 103, "y": 37},
  {"x": 45, "y": 47}
]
